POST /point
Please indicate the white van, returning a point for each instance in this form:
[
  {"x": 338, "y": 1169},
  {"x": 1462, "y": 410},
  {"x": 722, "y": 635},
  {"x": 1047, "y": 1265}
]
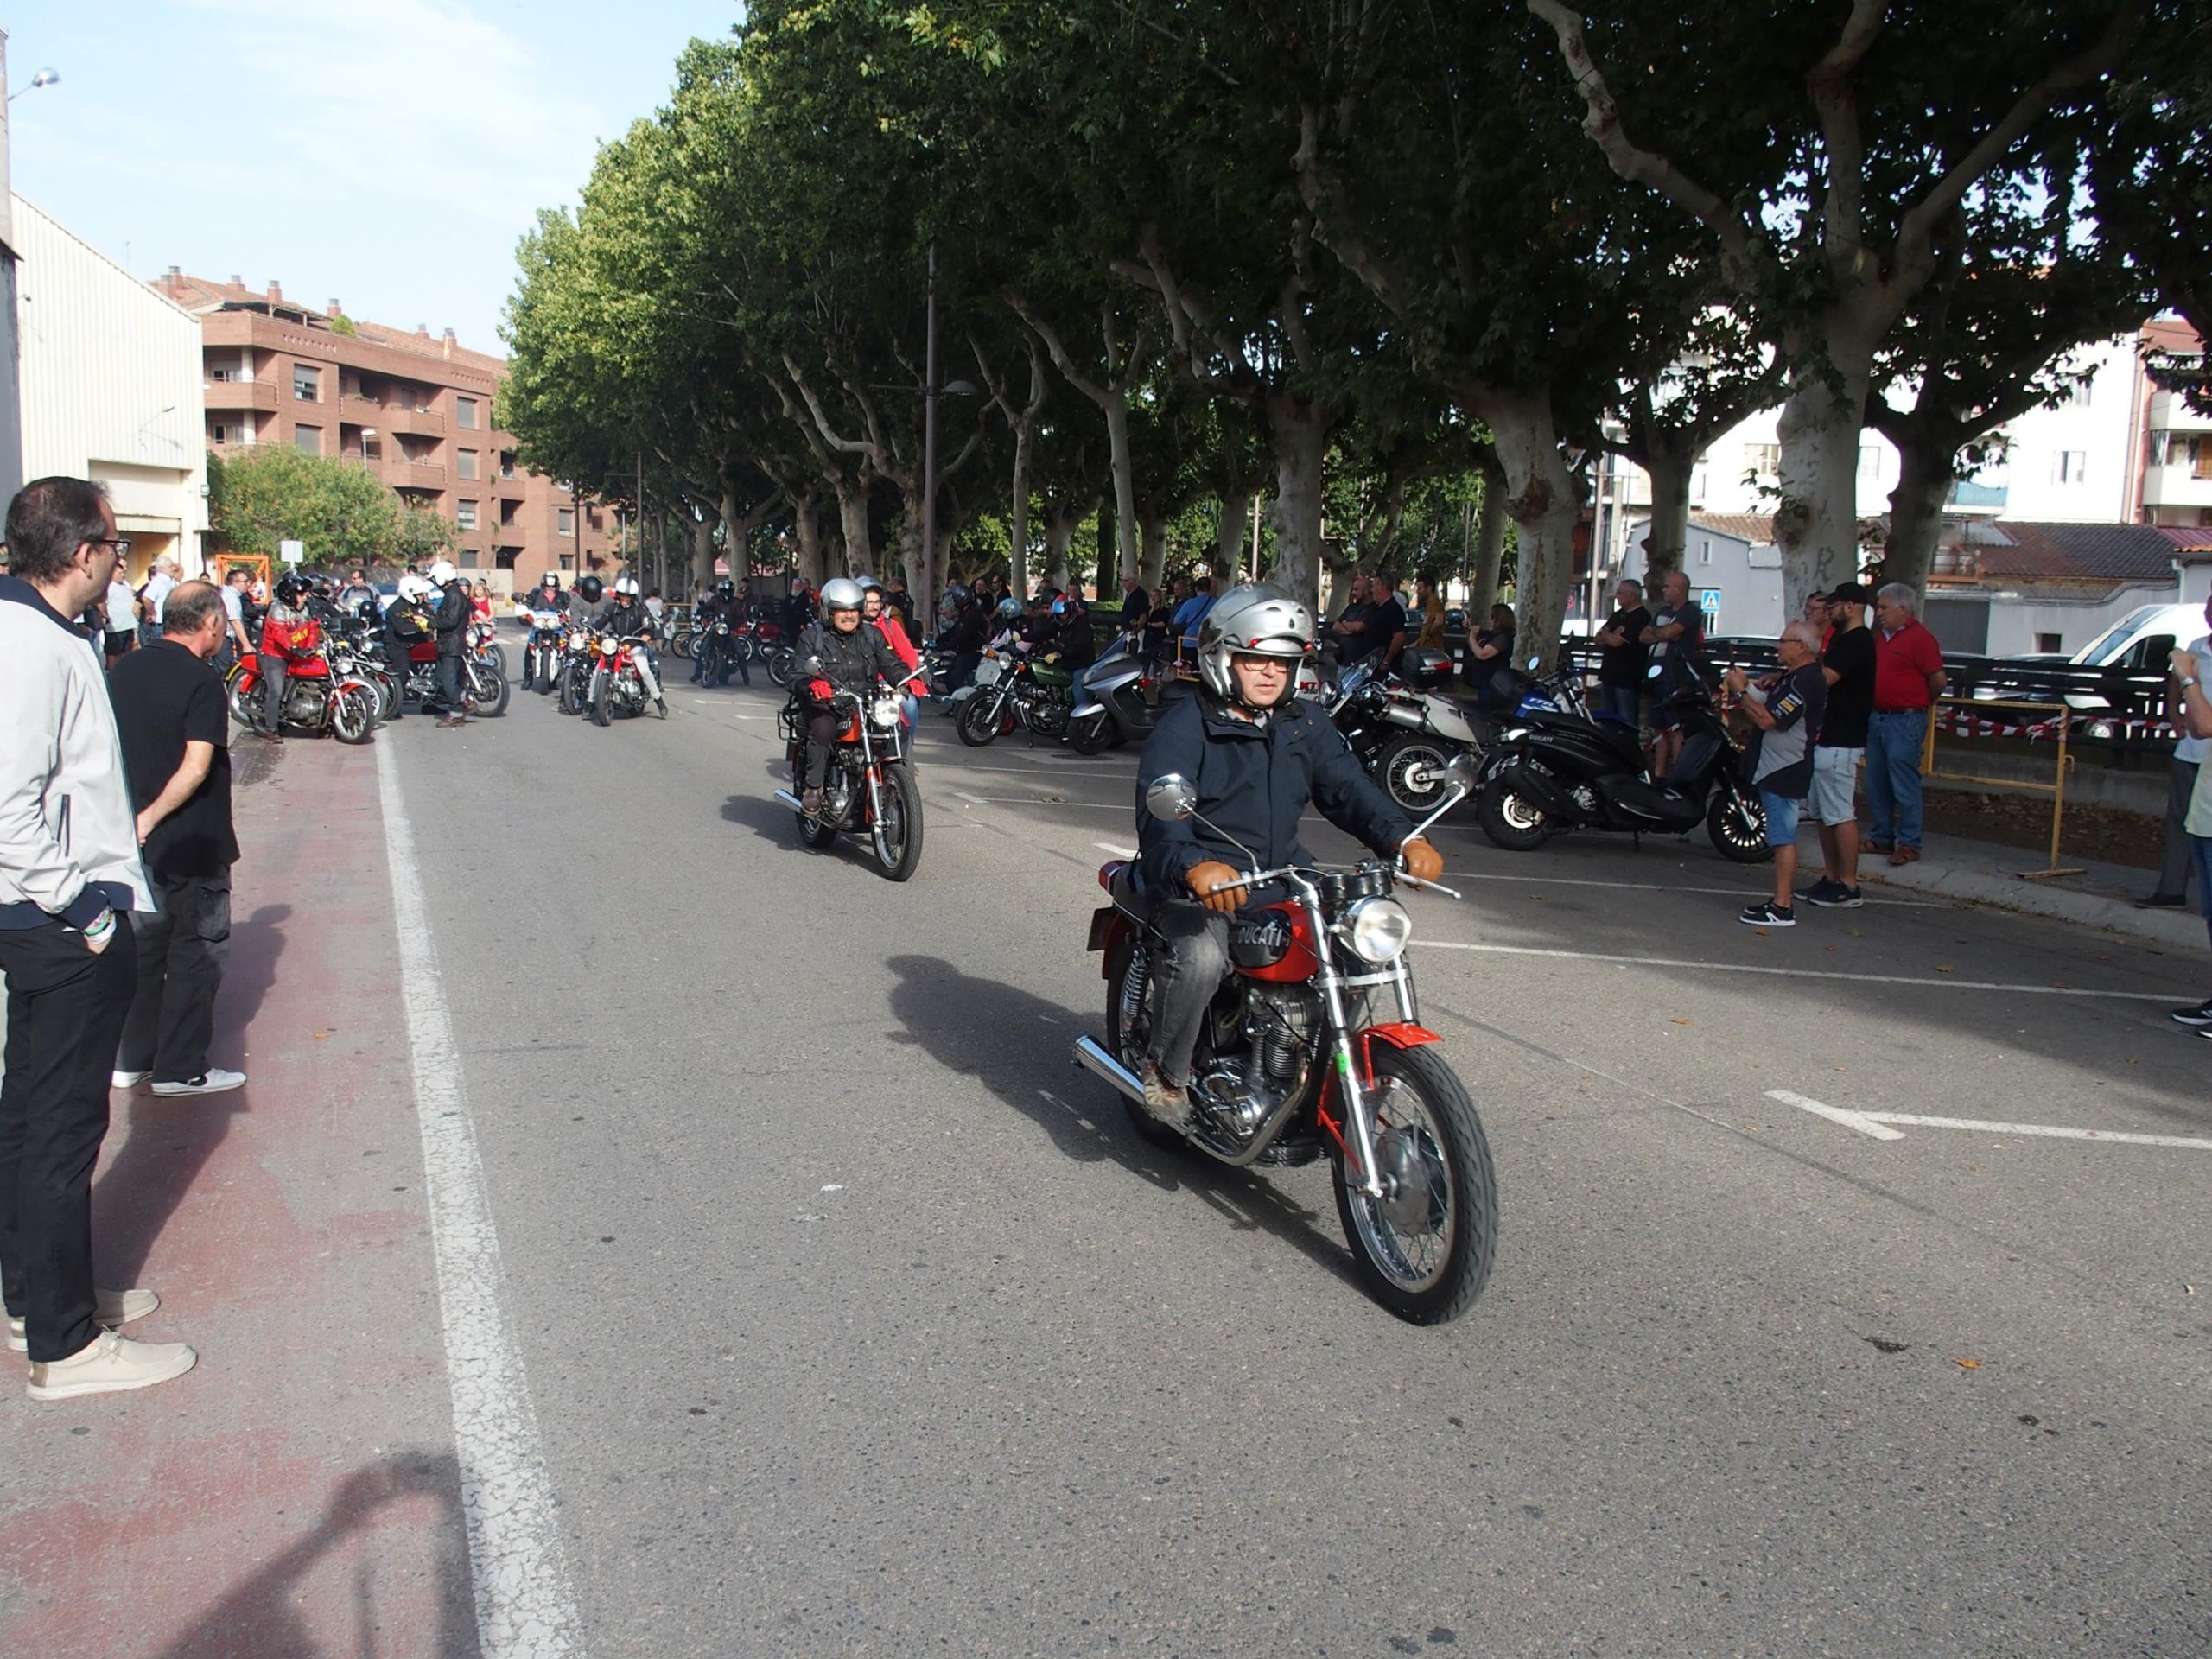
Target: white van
[{"x": 2140, "y": 642}]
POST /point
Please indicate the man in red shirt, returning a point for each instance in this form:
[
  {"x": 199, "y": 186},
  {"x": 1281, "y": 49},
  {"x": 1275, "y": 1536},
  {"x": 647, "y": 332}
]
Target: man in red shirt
[{"x": 1907, "y": 678}]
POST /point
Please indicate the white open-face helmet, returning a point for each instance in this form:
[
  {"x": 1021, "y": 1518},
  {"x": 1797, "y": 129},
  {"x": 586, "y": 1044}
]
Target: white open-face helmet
[
  {"x": 842, "y": 594},
  {"x": 625, "y": 584},
  {"x": 1251, "y": 620},
  {"x": 413, "y": 587},
  {"x": 443, "y": 572}
]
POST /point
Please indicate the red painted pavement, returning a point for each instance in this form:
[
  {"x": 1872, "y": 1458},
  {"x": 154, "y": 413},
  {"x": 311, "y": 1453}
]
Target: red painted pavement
[{"x": 295, "y": 1495}]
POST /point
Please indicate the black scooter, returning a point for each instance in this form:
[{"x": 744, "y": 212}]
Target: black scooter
[{"x": 1551, "y": 773}]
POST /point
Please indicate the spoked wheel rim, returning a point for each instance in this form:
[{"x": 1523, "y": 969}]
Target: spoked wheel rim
[
  {"x": 1415, "y": 778},
  {"x": 1409, "y": 1232},
  {"x": 890, "y": 831}
]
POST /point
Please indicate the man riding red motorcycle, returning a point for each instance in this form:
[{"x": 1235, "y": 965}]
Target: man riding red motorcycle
[
  {"x": 291, "y": 643},
  {"x": 1257, "y": 755},
  {"x": 836, "y": 654}
]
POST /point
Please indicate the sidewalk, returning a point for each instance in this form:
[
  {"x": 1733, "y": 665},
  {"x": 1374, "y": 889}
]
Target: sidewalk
[
  {"x": 2103, "y": 895},
  {"x": 296, "y": 1494}
]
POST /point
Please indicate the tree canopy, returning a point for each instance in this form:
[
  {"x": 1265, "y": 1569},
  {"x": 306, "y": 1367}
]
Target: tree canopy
[{"x": 1392, "y": 269}]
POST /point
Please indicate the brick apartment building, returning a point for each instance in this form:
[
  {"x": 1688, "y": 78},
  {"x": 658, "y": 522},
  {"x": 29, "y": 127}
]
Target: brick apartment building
[{"x": 414, "y": 408}]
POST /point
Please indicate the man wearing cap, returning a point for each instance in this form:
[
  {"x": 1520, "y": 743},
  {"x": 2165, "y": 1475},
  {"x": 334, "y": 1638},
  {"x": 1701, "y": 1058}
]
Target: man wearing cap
[{"x": 1847, "y": 666}]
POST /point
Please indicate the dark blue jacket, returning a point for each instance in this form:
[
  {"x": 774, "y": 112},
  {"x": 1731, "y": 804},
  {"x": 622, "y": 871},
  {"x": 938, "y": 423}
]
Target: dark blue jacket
[{"x": 1255, "y": 784}]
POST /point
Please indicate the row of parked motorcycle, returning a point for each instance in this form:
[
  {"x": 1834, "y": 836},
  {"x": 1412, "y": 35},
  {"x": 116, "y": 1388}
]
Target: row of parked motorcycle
[
  {"x": 1544, "y": 763},
  {"x": 348, "y": 689}
]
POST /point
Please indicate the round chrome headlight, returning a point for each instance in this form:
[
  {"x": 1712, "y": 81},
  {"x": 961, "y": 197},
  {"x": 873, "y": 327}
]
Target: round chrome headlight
[
  {"x": 884, "y": 711},
  {"x": 1376, "y": 930},
  {"x": 607, "y": 644}
]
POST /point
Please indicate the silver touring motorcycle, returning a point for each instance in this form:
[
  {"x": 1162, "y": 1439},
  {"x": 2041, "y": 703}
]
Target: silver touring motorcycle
[{"x": 1314, "y": 1048}]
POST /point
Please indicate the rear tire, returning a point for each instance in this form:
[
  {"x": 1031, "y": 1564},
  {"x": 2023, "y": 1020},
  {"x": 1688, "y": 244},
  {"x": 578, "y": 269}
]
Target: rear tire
[
  {"x": 1738, "y": 827},
  {"x": 782, "y": 665},
  {"x": 1404, "y": 758},
  {"x": 1127, "y": 1020},
  {"x": 1515, "y": 824},
  {"x": 1446, "y": 1197}
]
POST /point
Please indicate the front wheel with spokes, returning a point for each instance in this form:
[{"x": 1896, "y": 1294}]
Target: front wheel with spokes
[
  {"x": 1425, "y": 1246},
  {"x": 897, "y": 832}
]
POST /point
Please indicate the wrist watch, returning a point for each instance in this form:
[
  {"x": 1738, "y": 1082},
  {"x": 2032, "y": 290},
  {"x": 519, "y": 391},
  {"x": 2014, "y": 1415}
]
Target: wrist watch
[{"x": 2188, "y": 680}]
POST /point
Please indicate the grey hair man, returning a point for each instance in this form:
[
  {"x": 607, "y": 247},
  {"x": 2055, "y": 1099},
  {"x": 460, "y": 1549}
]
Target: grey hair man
[
  {"x": 1907, "y": 678},
  {"x": 167, "y": 574}
]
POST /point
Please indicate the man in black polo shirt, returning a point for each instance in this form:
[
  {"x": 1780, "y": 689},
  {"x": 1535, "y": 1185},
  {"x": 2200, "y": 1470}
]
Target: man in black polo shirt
[{"x": 170, "y": 712}]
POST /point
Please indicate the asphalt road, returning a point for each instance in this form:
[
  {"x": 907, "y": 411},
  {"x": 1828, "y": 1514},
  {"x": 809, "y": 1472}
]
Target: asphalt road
[{"x": 856, "y": 1321}]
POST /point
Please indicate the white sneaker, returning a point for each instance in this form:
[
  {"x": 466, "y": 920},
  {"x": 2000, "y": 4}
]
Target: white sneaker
[
  {"x": 212, "y": 1082},
  {"x": 110, "y": 1365},
  {"x": 110, "y": 1308},
  {"x": 127, "y": 1079}
]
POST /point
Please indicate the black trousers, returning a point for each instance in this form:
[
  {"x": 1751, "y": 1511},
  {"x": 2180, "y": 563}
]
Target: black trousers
[
  {"x": 182, "y": 952},
  {"x": 823, "y": 728},
  {"x": 2173, "y": 862},
  {"x": 65, "y": 1008},
  {"x": 449, "y": 683}
]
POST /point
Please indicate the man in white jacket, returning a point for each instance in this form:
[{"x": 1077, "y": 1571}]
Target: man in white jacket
[{"x": 70, "y": 875}]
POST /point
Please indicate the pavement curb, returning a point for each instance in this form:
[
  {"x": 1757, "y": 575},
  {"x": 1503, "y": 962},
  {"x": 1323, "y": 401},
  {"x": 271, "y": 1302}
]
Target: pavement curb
[{"x": 2184, "y": 929}]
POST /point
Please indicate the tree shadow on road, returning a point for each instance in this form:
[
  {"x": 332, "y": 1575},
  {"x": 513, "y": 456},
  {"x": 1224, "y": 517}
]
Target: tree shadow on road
[
  {"x": 1020, "y": 1047},
  {"x": 261, "y": 1617},
  {"x": 172, "y": 1140}
]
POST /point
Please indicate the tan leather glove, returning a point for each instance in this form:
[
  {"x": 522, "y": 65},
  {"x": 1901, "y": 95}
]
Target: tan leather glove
[
  {"x": 1203, "y": 879},
  {"x": 1423, "y": 861}
]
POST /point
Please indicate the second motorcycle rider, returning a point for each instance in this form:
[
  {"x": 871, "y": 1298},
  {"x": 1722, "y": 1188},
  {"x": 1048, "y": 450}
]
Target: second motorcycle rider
[{"x": 1257, "y": 755}]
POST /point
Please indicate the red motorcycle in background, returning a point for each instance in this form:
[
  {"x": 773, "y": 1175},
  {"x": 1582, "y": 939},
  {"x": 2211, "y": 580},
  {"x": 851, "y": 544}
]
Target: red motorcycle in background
[{"x": 1314, "y": 1046}]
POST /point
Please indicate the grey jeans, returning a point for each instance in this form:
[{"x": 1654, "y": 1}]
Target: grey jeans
[
  {"x": 2174, "y": 858},
  {"x": 1185, "y": 976}
]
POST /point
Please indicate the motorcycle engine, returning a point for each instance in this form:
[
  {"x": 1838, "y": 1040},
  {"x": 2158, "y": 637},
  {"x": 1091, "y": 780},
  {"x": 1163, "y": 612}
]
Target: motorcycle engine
[
  {"x": 1246, "y": 1083},
  {"x": 303, "y": 702},
  {"x": 837, "y": 794}
]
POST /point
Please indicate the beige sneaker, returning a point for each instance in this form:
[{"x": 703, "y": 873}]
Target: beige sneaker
[
  {"x": 110, "y": 1307},
  {"x": 1165, "y": 1102},
  {"x": 110, "y": 1365}
]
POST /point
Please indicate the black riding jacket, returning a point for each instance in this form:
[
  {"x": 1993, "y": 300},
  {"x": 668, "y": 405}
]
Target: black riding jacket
[
  {"x": 1255, "y": 782},
  {"x": 848, "y": 661},
  {"x": 452, "y": 620},
  {"x": 629, "y": 621}
]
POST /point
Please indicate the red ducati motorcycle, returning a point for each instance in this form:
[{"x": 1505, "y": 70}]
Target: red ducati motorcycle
[{"x": 1314, "y": 1046}]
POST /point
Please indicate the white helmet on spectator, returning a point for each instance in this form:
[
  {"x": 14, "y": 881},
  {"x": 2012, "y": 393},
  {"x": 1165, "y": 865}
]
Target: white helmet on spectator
[
  {"x": 443, "y": 572},
  {"x": 1251, "y": 620}
]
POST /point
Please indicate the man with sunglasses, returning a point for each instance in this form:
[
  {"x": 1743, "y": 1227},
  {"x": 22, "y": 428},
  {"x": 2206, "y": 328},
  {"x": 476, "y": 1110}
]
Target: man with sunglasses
[{"x": 70, "y": 875}]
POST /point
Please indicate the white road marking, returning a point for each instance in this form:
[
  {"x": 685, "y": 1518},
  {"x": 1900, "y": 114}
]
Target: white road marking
[
  {"x": 1797, "y": 972},
  {"x": 1668, "y": 886},
  {"x": 1858, "y": 1121},
  {"x": 1876, "y": 1124},
  {"x": 1118, "y": 852},
  {"x": 1988, "y": 1126},
  {"x": 525, "y": 1606}
]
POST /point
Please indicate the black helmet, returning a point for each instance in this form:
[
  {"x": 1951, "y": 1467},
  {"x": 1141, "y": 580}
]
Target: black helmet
[
  {"x": 725, "y": 588},
  {"x": 591, "y": 588},
  {"x": 290, "y": 590}
]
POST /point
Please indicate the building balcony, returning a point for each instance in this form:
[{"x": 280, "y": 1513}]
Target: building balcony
[
  {"x": 226, "y": 395},
  {"x": 2171, "y": 411},
  {"x": 1986, "y": 497},
  {"x": 416, "y": 476},
  {"x": 2177, "y": 484},
  {"x": 387, "y": 418}
]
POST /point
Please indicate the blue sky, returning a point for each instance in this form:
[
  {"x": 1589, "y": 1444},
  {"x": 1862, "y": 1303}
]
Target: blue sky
[{"x": 227, "y": 136}]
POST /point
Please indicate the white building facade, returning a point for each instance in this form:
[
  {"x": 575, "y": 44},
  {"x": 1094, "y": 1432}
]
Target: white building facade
[{"x": 112, "y": 389}]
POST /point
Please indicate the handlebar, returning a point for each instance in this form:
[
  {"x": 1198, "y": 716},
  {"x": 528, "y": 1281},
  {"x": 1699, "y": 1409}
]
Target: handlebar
[{"x": 1301, "y": 873}]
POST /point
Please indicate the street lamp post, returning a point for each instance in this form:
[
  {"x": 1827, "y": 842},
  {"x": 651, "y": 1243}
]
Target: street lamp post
[{"x": 927, "y": 573}]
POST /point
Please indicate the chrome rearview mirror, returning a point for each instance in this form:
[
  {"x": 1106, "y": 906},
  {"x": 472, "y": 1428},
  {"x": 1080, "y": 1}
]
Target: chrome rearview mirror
[{"x": 1171, "y": 798}]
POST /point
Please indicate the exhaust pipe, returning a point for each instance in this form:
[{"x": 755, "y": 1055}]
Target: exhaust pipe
[
  {"x": 790, "y": 800},
  {"x": 1100, "y": 1065}
]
